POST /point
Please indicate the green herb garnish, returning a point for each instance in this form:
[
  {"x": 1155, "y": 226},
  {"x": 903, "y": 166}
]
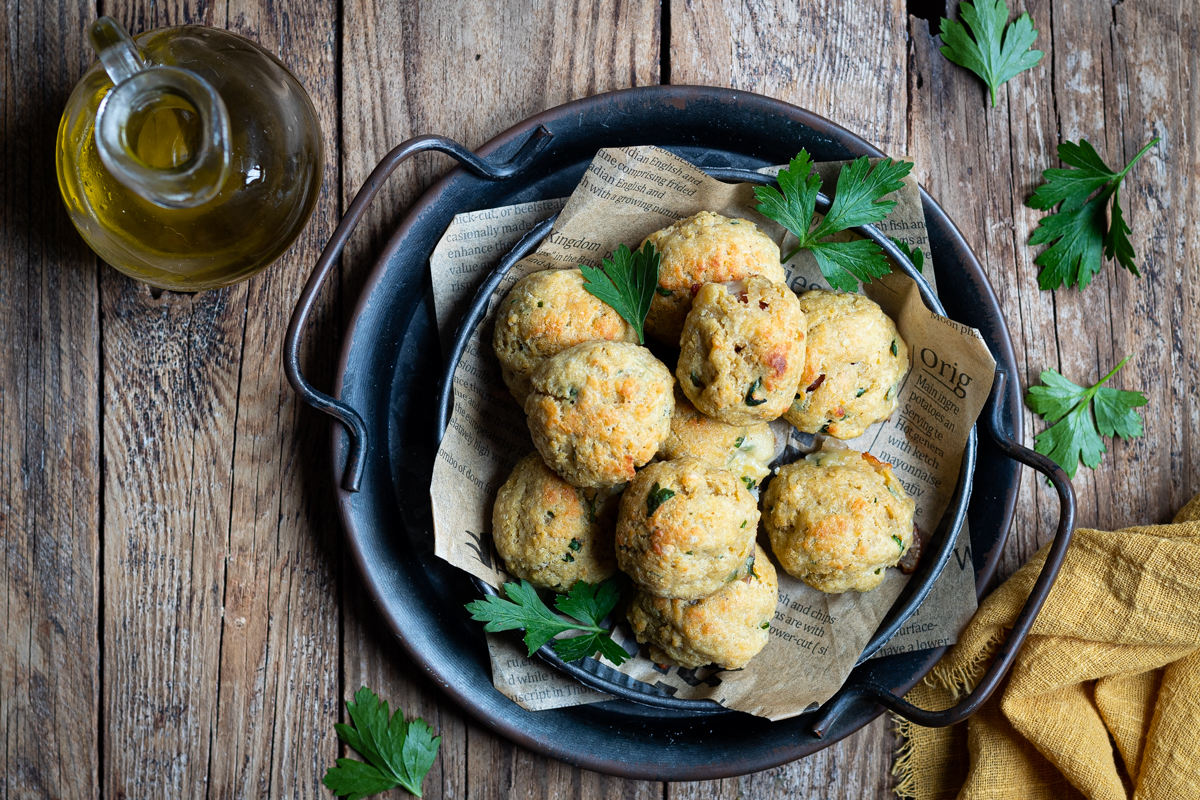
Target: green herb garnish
[
  {"x": 657, "y": 496},
  {"x": 751, "y": 397},
  {"x": 1075, "y": 435},
  {"x": 765, "y": 626},
  {"x": 858, "y": 200},
  {"x": 626, "y": 283},
  {"x": 917, "y": 256},
  {"x": 999, "y": 51},
  {"x": 737, "y": 444},
  {"x": 1079, "y": 233},
  {"x": 750, "y": 484},
  {"x": 899, "y": 542},
  {"x": 575, "y": 545},
  {"x": 860, "y": 392},
  {"x": 586, "y": 604},
  {"x": 397, "y": 753}
]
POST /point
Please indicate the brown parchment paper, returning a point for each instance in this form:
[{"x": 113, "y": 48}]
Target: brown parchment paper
[{"x": 816, "y": 638}]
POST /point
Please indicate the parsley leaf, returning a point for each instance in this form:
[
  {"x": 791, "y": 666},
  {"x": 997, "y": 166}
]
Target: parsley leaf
[
  {"x": 1075, "y": 436},
  {"x": 858, "y": 200},
  {"x": 398, "y": 753},
  {"x": 589, "y": 602},
  {"x": 917, "y": 256},
  {"x": 626, "y": 282},
  {"x": 656, "y": 497},
  {"x": 1079, "y": 233},
  {"x": 586, "y": 603},
  {"x": 999, "y": 52}
]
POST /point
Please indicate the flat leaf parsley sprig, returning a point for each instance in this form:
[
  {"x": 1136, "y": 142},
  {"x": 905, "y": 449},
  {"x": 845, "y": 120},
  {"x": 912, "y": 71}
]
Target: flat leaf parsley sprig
[
  {"x": 916, "y": 256},
  {"x": 999, "y": 51},
  {"x": 1079, "y": 232},
  {"x": 398, "y": 753},
  {"x": 858, "y": 200},
  {"x": 626, "y": 282},
  {"x": 1075, "y": 435},
  {"x": 587, "y": 604}
]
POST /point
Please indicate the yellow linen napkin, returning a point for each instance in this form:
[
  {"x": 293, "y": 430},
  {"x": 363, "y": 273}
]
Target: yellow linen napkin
[{"x": 1103, "y": 701}]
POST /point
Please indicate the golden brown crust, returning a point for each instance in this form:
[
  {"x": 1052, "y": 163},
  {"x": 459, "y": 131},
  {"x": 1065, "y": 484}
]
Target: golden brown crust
[
  {"x": 744, "y": 450},
  {"x": 705, "y": 248},
  {"x": 837, "y": 519},
  {"x": 727, "y": 628},
  {"x": 551, "y": 533},
  {"x": 543, "y": 314},
  {"x": 685, "y": 529},
  {"x": 742, "y": 350},
  {"x": 854, "y": 365},
  {"x": 599, "y": 410}
]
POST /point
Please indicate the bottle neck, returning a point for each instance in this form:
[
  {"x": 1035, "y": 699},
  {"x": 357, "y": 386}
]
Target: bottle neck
[{"x": 162, "y": 131}]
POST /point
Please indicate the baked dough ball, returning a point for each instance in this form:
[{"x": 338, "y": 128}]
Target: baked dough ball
[
  {"x": 727, "y": 628},
  {"x": 543, "y": 314},
  {"x": 685, "y": 529},
  {"x": 551, "y": 533},
  {"x": 599, "y": 410},
  {"x": 837, "y": 519},
  {"x": 744, "y": 450},
  {"x": 853, "y": 366},
  {"x": 706, "y": 248},
  {"x": 742, "y": 350}
]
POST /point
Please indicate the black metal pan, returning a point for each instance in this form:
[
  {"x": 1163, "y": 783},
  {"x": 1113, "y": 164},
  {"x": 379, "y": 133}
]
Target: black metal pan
[{"x": 387, "y": 399}]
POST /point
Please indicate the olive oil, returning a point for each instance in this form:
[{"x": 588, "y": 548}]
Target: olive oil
[
  {"x": 167, "y": 135},
  {"x": 206, "y": 165}
]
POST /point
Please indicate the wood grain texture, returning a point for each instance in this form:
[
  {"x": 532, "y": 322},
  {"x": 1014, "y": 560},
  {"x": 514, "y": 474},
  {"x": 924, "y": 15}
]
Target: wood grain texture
[
  {"x": 1117, "y": 78},
  {"x": 178, "y": 618},
  {"x": 468, "y": 72},
  {"x": 49, "y": 425},
  {"x": 222, "y": 621},
  {"x": 842, "y": 60}
]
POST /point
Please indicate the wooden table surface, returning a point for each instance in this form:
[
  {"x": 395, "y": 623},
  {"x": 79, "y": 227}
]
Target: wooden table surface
[{"x": 180, "y": 619}]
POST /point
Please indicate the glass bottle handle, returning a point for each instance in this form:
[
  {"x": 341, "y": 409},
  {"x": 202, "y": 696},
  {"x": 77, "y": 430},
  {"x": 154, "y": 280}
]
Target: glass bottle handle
[{"x": 116, "y": 50}]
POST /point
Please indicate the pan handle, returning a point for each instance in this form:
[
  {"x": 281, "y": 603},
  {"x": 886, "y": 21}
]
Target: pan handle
[
  {"x": 343, "y": 413},
  {"x": 1024, "y": 622}
]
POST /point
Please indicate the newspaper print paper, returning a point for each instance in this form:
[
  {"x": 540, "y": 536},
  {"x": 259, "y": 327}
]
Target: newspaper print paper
[{"x": 816, "y": 638}]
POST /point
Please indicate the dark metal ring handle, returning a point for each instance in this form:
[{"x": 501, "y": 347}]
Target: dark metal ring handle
[
  {"x": 1024, "y": 622},
  {"x": 343, "y": 413}
]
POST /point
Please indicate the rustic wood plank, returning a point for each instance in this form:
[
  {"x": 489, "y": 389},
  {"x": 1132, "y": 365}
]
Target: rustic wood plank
[
  {"x": 843, "y": 60},
  {"x": 222, "y": 621},
  {"x": 1101, "y": 81},
  {"x": 1157, "y": 317},
  {"x": 211, "y": 503},
  {"x": 49, "y": 425},
  {"x": 279, "y": 688},
  {"x": 467, "y": 72},
  {"x": 974, "y": 161}
]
